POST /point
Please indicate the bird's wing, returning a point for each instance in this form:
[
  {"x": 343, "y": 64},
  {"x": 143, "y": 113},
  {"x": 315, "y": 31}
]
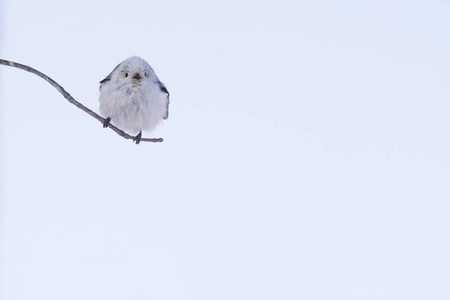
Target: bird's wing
[
  {"x": 163, "y": 89},
  {"x": 108, "y": 78}
]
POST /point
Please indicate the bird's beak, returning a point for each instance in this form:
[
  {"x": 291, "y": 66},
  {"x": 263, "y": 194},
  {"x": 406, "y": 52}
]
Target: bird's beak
[{"x": 137, "y": 76}]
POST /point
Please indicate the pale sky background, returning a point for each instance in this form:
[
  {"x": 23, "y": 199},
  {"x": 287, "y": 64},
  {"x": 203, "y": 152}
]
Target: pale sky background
[{"x": 306, "y": 155}]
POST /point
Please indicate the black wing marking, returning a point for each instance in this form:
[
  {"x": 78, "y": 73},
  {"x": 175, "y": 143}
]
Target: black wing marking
[
  {"x": 108, "y": 78},
  {"x": 167, "y": 110},
  {"x": 163, "y": 89}
]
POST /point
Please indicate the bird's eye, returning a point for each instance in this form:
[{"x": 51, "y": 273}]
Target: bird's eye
[
  {"x": 145, "y": 74},
  {"x": 126, "y": 74}
]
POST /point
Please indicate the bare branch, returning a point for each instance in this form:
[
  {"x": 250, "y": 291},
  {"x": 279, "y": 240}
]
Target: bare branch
[{"x": 73, "y": 101}]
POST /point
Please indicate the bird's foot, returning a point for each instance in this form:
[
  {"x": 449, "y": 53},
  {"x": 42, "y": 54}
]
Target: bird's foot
[
  {"x": 137, "y": 138},
  {"x": 106, "y": 122}
]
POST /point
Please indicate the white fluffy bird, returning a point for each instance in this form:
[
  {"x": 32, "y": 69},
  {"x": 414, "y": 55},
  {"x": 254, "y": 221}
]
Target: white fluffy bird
[{"x": 133, "y": 98}]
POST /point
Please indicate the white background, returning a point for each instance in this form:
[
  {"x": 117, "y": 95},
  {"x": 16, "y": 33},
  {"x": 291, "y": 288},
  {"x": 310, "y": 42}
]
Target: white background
[{"x": 306, "y": 155}]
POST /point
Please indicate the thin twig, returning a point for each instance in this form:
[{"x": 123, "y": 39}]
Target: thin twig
[{"x": 73, "y": 101}]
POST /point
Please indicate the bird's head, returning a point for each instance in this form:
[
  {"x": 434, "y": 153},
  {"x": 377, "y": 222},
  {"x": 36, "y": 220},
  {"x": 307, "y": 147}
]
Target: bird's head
[{"x": 135, "y": 70}]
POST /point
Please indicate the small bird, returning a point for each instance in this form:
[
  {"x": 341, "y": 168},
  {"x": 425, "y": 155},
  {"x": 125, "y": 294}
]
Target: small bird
[{"x": 133, "y": 98}]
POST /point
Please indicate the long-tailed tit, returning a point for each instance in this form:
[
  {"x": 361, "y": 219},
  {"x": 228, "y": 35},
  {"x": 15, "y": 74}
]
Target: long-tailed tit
[{"x": 133, "y": 98}]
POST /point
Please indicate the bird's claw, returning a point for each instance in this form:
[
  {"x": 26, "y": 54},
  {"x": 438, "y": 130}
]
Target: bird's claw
[
  {"x": 137, "y": 139},
  {"x": 106, "y": 122}
]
